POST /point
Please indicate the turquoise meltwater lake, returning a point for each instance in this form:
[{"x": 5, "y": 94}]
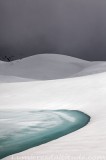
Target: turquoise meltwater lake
[{"x": 21, "y": 130}]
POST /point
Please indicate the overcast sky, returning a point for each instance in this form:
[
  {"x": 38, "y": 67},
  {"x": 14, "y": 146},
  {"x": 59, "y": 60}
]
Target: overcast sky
[{"x": 72, "y": 27}]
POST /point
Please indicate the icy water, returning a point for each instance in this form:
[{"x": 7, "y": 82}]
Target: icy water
[{"x": 21, "y": 130}]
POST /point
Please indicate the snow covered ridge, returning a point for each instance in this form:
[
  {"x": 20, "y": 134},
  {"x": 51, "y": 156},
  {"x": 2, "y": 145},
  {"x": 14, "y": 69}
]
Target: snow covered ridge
[
  {"x": 44, "y": 67},
  {"x": 48, "y": 67}
]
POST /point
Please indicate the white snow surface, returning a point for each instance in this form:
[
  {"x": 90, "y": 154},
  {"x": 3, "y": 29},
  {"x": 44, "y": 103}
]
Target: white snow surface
[{"x": 85, "y": 93}]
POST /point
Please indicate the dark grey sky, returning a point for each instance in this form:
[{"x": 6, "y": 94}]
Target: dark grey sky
[{"x": 71, "y": 27}]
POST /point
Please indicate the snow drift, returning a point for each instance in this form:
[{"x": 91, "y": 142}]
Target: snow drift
[{"x": 44, "y": 67}]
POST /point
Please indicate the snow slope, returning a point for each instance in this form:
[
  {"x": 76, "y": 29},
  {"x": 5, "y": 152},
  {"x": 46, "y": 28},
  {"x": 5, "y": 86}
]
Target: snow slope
[
  {"x": 44, "y": 67},
  {"x": 10, "y": 79},
  {"x": 1, "y": 62},
  {"x": 47, "y": 67},
  {"x": 95, "y": 67},
  {"x": 86, "y": 93}
]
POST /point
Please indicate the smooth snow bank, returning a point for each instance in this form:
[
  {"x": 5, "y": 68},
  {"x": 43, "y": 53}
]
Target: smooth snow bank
[
  {"x": 44, "y": 67},
  {"x": 1, "y": 62},
  {"x": 10, "y": 79},
  {"x": 95, "y": 67},
  {"x": 87, "y": 94}
]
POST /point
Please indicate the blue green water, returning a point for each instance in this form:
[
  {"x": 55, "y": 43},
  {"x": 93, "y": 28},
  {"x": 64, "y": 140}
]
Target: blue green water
[{"x": 21, "y": 130}]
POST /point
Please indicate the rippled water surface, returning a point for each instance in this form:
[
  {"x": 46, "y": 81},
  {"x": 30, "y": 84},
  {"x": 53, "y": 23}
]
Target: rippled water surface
[{"x": 21, "y": 130}]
